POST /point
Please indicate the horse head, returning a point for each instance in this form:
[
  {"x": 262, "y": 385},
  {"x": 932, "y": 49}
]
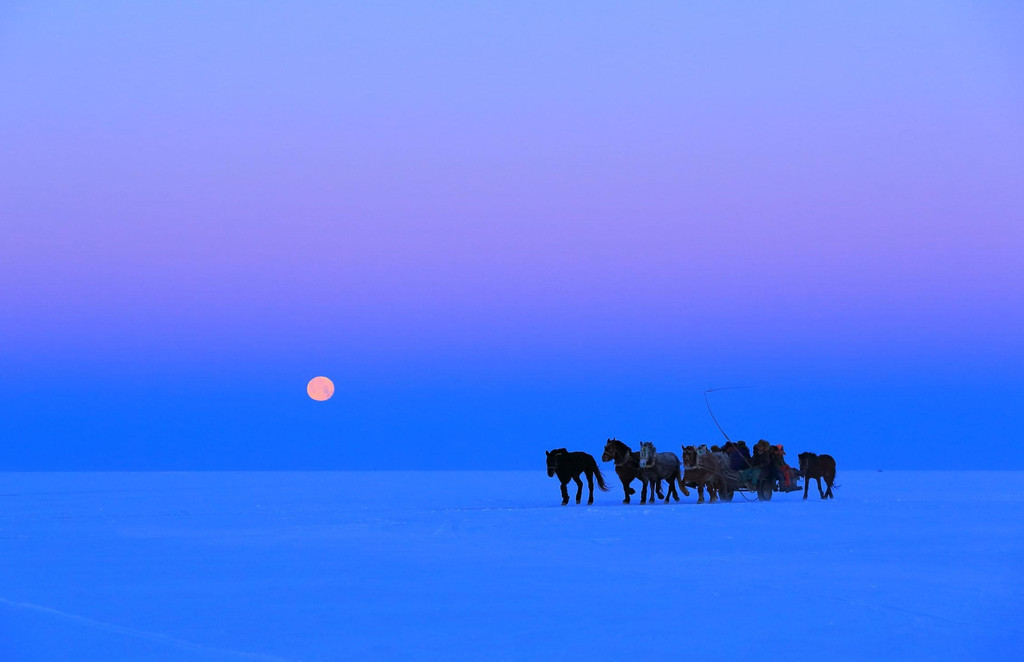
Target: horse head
[
  {"x": 552, "y": 458},
  {"x": 806, "y": 459},
  {"x": 689, "y": 456},
  {"x": 614, "y": 450},
  {"x": 648, "y": 454}
]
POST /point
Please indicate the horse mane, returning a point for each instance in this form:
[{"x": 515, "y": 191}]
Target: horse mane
[
  {"x": 619, "y": 445},
  {"x": 560, "y": 450}
]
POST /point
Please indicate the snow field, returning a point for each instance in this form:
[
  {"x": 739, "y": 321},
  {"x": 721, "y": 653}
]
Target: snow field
[{"x": 488, "y": 565}]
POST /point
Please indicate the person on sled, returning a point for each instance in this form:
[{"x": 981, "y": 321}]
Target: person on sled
[
  {"x": 787, "y": 474},
  {"x": 738, "y": 460},
  {"x": 760, "y": 466}
]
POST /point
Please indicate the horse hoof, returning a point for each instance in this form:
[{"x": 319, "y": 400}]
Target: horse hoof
[{"x": 565, "y": 503}]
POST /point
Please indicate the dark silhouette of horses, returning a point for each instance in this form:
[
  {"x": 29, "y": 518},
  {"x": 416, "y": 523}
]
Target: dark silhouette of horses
[
  {"x": 818, "y": 467},
  {"x": 627, "y": 466},
  {"x": 569, "y": 466},
  {"x": 655, "y": 467}
]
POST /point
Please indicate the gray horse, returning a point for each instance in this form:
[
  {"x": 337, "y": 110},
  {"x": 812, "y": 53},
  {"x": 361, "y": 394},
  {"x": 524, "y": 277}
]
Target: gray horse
[{"x": 655, "y": 467}]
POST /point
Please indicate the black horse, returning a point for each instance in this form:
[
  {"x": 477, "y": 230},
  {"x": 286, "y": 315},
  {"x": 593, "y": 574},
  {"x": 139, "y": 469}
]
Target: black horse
[
  {"x": 818, "y": 467},
  {"x": 627, "y": 466},
  {"x": 569, "y": 466}
]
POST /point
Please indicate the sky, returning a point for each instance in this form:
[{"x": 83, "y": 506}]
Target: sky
[{"x": 507, "y": 227}]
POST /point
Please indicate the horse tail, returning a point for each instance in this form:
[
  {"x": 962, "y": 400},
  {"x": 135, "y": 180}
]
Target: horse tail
[
  {"x": 833, "y": 477},
  {"x": 600, "y": 479},
  {"x": 682, "y": 485}
]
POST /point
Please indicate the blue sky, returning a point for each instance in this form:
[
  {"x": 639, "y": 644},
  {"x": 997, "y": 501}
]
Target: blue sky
[{"x": 506, "y": 227}]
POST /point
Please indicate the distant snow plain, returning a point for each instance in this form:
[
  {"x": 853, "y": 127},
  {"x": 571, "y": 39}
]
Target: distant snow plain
[{"x": 112, "y": 567}]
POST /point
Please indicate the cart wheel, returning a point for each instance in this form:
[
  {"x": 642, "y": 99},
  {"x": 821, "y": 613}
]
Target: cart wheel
[
  {"x": 725, "y": 494},
  {"x": 764, "y": 491}
]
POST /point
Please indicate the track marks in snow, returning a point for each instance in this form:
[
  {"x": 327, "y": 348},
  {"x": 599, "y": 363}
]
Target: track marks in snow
[
  {"x": 880, "y": 606},
  {"x": 142, "y": 634}
]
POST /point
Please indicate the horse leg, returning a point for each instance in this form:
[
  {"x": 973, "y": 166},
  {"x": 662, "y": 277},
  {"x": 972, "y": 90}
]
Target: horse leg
[
  {"x": 565, "y": 492},
  {"x": 672, "y": 488},
  {"x": 660, "y": 494},
  {"x": 712, "y": 492},
  {"x": 700, "y": 491},
  {"x": 828, "y": 483},
  {"x": 818, "y": 478},
  {"x": 643, "y": 491},
  {"x": 579, "y": 488},
  {"x": 807, "y": 485},
  {"x": 590, "y": 486},
  {"x": 626, "y": 490}
]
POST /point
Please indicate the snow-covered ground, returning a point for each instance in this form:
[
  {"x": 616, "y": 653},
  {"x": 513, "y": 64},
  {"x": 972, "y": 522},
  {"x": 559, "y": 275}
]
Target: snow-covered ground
[{"x": 488, "y": 565}]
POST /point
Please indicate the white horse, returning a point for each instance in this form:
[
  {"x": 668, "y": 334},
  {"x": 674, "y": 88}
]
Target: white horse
[{"x": 655, "y": 467}]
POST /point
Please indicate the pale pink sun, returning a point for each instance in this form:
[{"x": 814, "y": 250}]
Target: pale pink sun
[{"x": 320, "y": 388}]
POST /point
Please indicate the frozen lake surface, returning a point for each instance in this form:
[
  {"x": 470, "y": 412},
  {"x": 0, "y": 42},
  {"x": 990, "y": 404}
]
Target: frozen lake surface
[{"x": 488, "y": 565}]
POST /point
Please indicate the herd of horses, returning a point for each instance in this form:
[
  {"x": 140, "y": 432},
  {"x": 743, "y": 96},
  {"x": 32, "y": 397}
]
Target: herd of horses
[{"x": 713, "y": 470}]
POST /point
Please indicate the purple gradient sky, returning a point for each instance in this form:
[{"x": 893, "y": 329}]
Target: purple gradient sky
[{"x": 496, "y": 194}]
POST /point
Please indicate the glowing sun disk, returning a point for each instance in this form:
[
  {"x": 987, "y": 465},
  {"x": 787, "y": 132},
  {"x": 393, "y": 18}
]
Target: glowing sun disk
[{"x": 320, "y": 388}]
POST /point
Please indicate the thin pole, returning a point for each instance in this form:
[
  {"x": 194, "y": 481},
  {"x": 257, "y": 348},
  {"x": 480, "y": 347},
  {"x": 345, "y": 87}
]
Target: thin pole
[{"x": 706, "y": 402}]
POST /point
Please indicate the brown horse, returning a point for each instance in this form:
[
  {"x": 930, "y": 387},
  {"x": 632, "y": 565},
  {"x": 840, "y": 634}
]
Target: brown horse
[
  {"x": 702, "y": 470},
  {"x": 627, "y": 466},
  {"x": 818, "y": 467}
]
